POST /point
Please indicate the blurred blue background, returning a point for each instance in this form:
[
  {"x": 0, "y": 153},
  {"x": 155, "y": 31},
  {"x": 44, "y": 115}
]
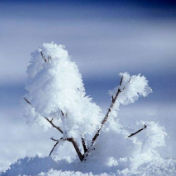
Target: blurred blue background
[{"x": 104, "y": 38}]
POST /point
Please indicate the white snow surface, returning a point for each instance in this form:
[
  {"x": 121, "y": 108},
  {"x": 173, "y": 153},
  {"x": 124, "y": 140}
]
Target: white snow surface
[
  {"x": 55, "y": 90},
  {"x": 37, "y": 166}
]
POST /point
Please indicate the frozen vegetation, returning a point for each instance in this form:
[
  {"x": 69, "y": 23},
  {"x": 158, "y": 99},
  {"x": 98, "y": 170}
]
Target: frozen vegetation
[{"x": 56, "y": 98}]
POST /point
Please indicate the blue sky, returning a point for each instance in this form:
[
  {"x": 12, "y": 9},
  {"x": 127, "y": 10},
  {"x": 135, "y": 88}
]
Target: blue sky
[{"x": 104, "y": 38}]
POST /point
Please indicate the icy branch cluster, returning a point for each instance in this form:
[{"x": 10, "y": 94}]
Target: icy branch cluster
[
  {"x": 130, "y": 89},
  {"x": 55, "y": 91}
]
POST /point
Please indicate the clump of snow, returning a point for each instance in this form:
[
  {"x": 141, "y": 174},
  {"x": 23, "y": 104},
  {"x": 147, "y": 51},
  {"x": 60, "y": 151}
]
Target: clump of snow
[
  {"x": 55, "y": 90},
  {"x": 131, "y": 88},
  {"x": 154, "y": 137}
]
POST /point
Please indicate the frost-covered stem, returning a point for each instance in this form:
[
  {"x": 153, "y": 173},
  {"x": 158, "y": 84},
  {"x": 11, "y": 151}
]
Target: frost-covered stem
[
  {"x": 81, "y": 157},
  {"x": 75, "y": 145},
  {"x": 145, "y": 126},
  {"x": 51, "y": 122},
  {"x": 107, "y": 114},
  {"x": 57, "y": 141},
  {"x": 84, "y": 144}
]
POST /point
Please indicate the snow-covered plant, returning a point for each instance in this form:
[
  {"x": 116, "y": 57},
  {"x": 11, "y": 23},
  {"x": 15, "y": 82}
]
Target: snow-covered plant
[{"x": 56, "y": 98}]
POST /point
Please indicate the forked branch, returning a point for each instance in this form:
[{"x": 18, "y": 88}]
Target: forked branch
[
  {"x": 51, "y": 122},
  {"x": 57, "y": 142},
  {"x": 75, "y": 145}
]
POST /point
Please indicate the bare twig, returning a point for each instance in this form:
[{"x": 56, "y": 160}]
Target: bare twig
[
  {"x": 145, "y": 126},
  {"x": 51, "y": 122},
  {"x": 53, "y": 148},
  {"x": 43, "y": 56},
  {"x": 54, "y": 139},
  {"x": 27, "y": 101},
  {"x": 57, "y": 142}
]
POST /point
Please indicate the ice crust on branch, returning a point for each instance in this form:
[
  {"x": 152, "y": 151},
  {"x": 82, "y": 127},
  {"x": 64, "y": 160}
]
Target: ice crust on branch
[
  {"x": 131, "y": 88},
  {"x": 56, "y": 90}
]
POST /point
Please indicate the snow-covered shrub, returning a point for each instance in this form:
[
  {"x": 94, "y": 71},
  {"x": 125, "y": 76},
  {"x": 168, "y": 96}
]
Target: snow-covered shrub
[{"x": 56, "y": 98}]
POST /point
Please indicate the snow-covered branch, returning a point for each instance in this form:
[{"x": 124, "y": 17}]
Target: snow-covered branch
[
  {"x": 56, "y": 94},
  {"x": 107, "y": 114}
]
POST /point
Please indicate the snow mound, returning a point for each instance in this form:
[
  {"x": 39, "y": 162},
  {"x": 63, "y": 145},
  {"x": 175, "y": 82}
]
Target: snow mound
[{"x": 48, "y": 167}]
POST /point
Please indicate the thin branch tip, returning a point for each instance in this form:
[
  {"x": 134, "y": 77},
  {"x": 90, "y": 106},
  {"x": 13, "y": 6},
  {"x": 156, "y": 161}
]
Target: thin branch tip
[
  {"x": 27, "y": 101},
  {"x": 132, "y": 134}
]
